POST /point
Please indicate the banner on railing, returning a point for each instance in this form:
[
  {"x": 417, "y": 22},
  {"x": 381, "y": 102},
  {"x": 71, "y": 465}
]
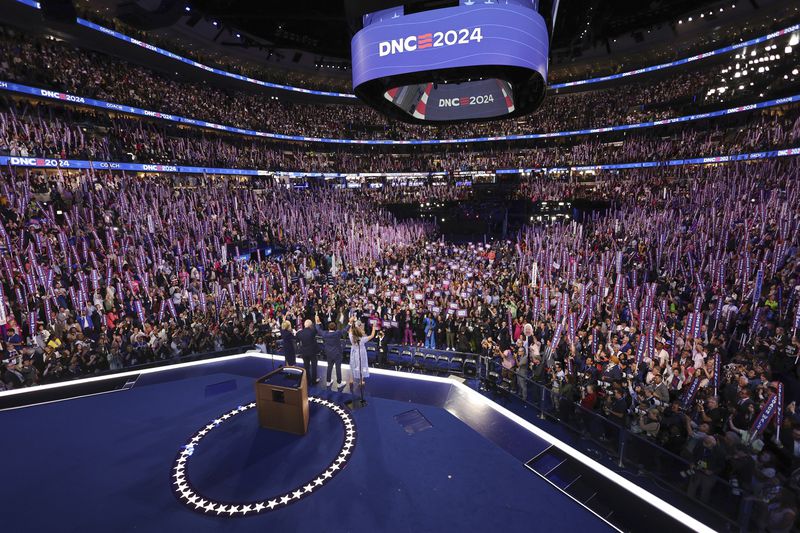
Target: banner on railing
[
  {"x": 78, "y": 164},
  {"x": 112, "y": 106}
]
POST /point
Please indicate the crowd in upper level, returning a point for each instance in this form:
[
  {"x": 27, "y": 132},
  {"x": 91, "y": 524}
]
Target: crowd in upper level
[
  {"x": 57, "y": 65},
  {"x": 41, "y": 130},
  {"x": 672, "y": 315}
]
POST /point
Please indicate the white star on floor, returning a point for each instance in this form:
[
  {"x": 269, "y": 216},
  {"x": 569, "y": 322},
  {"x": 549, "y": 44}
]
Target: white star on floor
[{"x": 186, "y": 494}]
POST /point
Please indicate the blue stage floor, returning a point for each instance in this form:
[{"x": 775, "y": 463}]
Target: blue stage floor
[{"x": 103, "y": 462}]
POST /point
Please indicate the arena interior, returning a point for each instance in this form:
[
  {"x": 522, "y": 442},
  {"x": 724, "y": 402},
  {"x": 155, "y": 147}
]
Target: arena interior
[{"x": 512, "y": 265}]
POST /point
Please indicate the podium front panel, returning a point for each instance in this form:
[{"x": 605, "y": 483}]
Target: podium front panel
[{"x": 282, "y": 400}]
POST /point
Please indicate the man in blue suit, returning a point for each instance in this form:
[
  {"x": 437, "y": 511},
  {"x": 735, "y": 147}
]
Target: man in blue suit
[
  {"x": 332, "y": 348},
  {"x": 430, "y": 331}
]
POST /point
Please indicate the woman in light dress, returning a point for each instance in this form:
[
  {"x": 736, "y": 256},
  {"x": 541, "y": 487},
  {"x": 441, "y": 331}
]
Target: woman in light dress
[{"x": 359, "y": 365}]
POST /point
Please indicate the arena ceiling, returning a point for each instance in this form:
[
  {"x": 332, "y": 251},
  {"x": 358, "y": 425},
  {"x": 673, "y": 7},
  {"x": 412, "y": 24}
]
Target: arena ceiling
[{"x": 320, "y": 26}]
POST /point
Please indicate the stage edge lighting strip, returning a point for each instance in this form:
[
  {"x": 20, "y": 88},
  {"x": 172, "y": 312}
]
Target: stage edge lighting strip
[
  {"x": 38, "y": 92},
  {"x": 473, "y": 395},
  {"x": 644, "y": 70},
  {"x": 77, "y": 164}
]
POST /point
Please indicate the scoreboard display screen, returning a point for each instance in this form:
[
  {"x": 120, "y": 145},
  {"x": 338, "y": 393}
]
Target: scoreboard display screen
[
  {"x": 454, "y": 101},
  {"x": 475, "y": 60}
]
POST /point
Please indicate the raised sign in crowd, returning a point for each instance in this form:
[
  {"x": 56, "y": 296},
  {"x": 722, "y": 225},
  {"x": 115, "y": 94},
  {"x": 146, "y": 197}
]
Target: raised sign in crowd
[
  {"x": 682, "y": 301},
  {"x": 674, "y": 314}
]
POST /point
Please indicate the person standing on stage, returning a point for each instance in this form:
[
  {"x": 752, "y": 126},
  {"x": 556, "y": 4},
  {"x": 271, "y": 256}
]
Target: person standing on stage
[
  {"x": 309, "y": 350},
  {"x": 332, "y": 348},
  {"x": 287, "y": 338},
  {"x": 359, "y": 365}
]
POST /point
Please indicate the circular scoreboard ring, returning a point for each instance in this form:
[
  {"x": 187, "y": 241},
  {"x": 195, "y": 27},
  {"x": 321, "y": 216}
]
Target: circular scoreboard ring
[{"x": 471, "y": 61}]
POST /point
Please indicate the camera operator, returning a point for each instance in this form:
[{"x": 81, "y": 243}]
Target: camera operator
[
  {"x": 649, "y": 421},
  {"x": 709, "y": 460}
]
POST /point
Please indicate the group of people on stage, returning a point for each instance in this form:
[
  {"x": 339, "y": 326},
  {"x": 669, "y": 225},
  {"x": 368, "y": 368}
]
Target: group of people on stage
[{"x": 304, "y": 343}]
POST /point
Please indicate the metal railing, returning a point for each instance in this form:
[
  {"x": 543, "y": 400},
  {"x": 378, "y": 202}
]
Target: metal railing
[
  {"x": 632, "y": 451},
  {"x": 410, "y": 358}
]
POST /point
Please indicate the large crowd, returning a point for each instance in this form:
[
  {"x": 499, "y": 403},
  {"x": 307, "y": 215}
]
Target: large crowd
[
  {"x": 36, "y": 129},
  {"x": 694, "y": 265},
  {"x": 673, "y": 314},
  {"x": 57, "y": 65}
]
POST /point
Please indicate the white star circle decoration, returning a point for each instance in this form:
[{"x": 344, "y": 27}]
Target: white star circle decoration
[{"x": 186, "y": 494}]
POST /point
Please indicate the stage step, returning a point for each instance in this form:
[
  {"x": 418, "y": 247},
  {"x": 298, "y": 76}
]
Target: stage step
[{"x": 603, "y": 497}]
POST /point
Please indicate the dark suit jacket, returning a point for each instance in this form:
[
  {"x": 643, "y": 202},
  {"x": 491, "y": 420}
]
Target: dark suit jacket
[
  {"x": 289, "y": 350},
  {"x": 331, "y": 342},
  {"x": 307, "y": 337}
]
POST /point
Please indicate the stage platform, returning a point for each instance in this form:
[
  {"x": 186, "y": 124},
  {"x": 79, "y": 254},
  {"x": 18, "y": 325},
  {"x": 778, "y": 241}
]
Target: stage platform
[{"x": 425, "y": 454}]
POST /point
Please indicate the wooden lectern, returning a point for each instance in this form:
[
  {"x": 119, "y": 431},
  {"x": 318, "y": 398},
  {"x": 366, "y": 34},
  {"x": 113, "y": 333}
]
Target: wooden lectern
[{"x": 282, "y": 400}]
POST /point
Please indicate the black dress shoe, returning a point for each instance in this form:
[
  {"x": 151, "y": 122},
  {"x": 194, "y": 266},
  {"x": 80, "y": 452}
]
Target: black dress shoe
[{"x": 316, "y": 381}]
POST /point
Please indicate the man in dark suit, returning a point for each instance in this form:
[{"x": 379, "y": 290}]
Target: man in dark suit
[
  {"x": 382, "y": 348},
  {"x": 309, "y": 350},
  {"x": 332, "y": 348}
]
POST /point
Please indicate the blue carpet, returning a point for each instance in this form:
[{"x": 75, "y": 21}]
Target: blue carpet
[
  {"x": 242, "y": 462},
  {"x": 102, "y": 463}
]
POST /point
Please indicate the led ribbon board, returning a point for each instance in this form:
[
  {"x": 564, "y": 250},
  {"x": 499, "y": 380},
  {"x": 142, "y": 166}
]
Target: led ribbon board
[{"x": 476, "y": 60}]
